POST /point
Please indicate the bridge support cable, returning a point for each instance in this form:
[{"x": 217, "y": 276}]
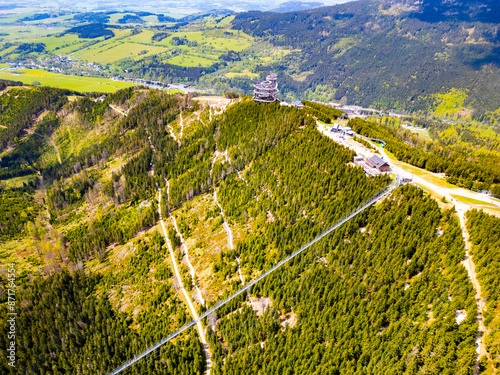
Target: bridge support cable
[{"x": 339, "y": 223}]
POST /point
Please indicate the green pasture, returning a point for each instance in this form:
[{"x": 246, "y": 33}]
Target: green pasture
[
  {"x": 118, "y": 51},
  {"x": 7, "y": 51},
  {"x": 190, "y": 61},
  {"x": 77, "y": 83},
  {"x": 17, "y": 33},
  {"x": 223, "y": 42},
  {"x": 243, "y": 74},
  {"x": 143, "y": 37},
  {"x": 53, "y": 42},
  {"x": 225, "y": 21}
]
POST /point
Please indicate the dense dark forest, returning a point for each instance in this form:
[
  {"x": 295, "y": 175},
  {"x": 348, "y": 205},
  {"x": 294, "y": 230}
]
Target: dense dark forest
[
  {"x": 484, "y": 232},
  {"x": 476, "y": 173},
  {"x": 370, "y": 301},
  {"x": 64, "y": 328},
  {"x": 17, "y": 208},
  {"x": 19, "y": 109},
  {"x": 371, "y": 55},
  {"x": 91, "y": 31},
  {"x": 154, "y": 68},
  {"x": 322, "y": 112}
]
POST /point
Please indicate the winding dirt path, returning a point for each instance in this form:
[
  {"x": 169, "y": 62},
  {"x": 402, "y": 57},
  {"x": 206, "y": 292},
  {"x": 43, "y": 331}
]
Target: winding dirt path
[
  {"x": 226, "y": 226},
  {"x": 171, "y": 131},
  {"x": 188, "y": 261},
  {"x": 199, "y": 326},
  {"x": 118, "y": 110},
  {"x": 194, "y": 313},
  {"x": 469, "y": 265},
  {"x": 54, "y": 144},
  {"x": 181, "y": 122}
]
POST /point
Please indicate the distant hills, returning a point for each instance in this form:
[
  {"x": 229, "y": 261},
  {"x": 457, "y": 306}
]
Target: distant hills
[
  {"x": 389, "y": 53},
  {"x": 294, "y": 6},
  {"x": 440, "y": 56},
  {"x": 470, "y": 10},
  {"x": 136, "y": 17},
  {"x": 211, "y": 13}
]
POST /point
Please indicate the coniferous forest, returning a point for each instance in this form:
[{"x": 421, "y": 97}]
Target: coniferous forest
[
  {"x": 485, "y": 237},
  {"x": 95, "y": 284}
]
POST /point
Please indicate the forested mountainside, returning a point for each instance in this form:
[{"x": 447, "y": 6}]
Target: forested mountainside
[
  {"x": 479, "y": 172},
  {"x": 389, "y": 53},
  {"x": 241, "y": 187},
  {"x": 485, "y": 237}
]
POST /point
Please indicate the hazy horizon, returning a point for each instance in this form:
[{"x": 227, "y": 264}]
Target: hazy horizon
[{"x": 160, "y": 6}]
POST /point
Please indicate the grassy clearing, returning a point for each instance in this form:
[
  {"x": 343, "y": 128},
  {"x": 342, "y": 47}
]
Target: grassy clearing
[
  {"x": 150, "y": 20},
  {"x": 133, "y": 294},
  {"x": 190, "y": 61},
  {"x": 226, "y": 21},
  {"x": 191, "y": 123},
  {"x": 421, "y": 133},
  {"x": 77, "y": 83},
  {"x": 7, "y": 50},
  {"x": 243, "y": 74},
  {"x": 276, "y": 54},
  {"x": 207, "y": 239},
  {"x": 17, "y": 252},
  {"x": 71, "y": 138},
  {"x": 345, "y": 44},
  {"x": 18, "y": 33},
  {"x": 114, "y": 164},
  {"x": 18, "y": 181},
  {"x": 143, "y": 37},
  {"x": 474, "y": 202},
  {"x": 113, "y": 18},
  {"x": 450, "y": 104},
  {"x": 428, "y": 176}
]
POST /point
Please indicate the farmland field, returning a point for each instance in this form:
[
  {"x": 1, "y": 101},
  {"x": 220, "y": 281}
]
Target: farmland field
[
  {"x": 21, "y": 33},
  {"x": 244, "y": 73},
  {"x": 77, "y": 83},
  {"x": 117, "y": 51},
  {"x": 190, "y": 60}
]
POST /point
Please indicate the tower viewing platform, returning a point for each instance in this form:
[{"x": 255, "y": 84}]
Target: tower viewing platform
[{"x": 266, "y": 91}]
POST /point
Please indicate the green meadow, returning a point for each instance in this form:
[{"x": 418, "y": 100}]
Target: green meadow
[{"x": 77, "y": 83}]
